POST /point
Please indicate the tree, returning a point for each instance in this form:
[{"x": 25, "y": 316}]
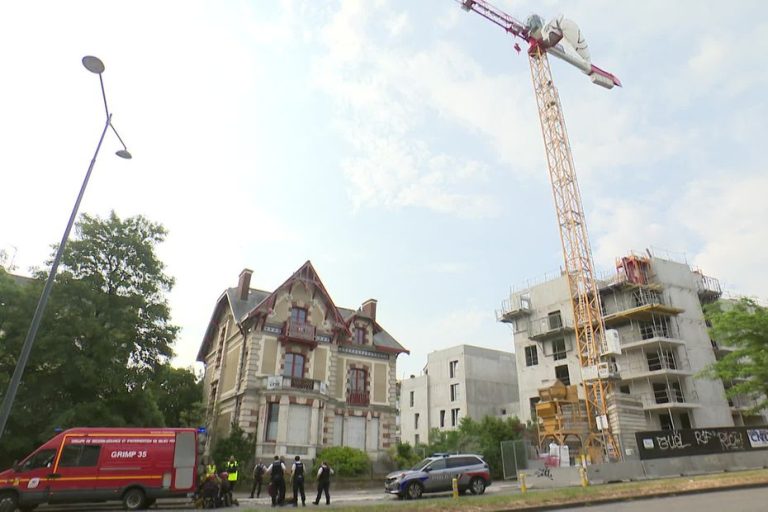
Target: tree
[
  {"x": 101, "y": 352},
  {"x": 179, "y": 395},
  {"x": 239, "y": 444},
  {"x": 742, "y": 325}
]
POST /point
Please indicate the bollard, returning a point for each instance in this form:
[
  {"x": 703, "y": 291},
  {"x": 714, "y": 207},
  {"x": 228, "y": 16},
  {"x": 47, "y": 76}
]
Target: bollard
[
  {"x": 455, "y": 487},
  {"x": 523, "y": 487},
  {"x": 584, "y": 478}
]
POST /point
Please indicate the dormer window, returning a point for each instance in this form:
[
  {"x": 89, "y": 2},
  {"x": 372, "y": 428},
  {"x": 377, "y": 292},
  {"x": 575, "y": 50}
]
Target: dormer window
[
  {"x": 359, "y": 336},
  {"x": 298, "y": 315}
]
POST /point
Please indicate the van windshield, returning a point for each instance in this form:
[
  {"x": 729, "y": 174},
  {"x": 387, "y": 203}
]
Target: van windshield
[{"x": 41, "y": 459}]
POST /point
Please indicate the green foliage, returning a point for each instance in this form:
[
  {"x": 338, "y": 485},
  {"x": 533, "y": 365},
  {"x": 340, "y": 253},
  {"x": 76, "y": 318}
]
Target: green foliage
[
  {"x": 743, "y": 326},
  {"x": 239, "y": 444},
  {"x": 482, "y": 437},
  {"x": 345, "y": 461},
  {"x": 403, "y": 455},
  {"x": 101, "y": 354}
]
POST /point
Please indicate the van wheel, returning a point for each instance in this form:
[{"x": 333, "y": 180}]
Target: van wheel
[
  {"x": 477, "y": 485},
  {"x": 414, "y": 491},
  {"x": 8, "y": 502},
  {"x": 134, "y": 499}
]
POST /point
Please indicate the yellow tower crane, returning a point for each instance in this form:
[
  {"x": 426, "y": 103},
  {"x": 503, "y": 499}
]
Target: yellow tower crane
[{"x": 562, "y": 39}]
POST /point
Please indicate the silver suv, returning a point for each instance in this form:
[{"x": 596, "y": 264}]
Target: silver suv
[{"x": 435, "y": 474}]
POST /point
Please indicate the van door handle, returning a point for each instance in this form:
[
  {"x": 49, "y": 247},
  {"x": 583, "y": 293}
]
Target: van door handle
[{"x": 54, "y": 475}]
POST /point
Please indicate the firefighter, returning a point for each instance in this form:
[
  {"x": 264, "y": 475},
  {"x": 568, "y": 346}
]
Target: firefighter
[
  {"x": 277, "y": 481},
  {"x": 324, "y": 483},
  {"x": 231, "y": 468},
  {"x": 297, "y": 478}
]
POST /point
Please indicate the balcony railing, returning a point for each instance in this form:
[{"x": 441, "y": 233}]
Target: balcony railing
[
  {"x": 297, "y": 383},
  {"x": 299, "y": 331},
  {"x": 514, "y": 307},
  {"x": 548, "y": 326},
  {"x": 358, "y": 398},
  {"x": 669, "y": 397},
  {"x": 708, "y": 287}
]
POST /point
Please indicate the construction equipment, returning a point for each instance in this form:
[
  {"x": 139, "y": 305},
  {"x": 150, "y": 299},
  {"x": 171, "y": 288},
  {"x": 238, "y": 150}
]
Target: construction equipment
[{"x": 562, "y": 39}]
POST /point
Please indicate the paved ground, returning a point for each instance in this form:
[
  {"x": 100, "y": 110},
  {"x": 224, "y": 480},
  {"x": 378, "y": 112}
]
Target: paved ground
[{"x": 743, "y": 500}]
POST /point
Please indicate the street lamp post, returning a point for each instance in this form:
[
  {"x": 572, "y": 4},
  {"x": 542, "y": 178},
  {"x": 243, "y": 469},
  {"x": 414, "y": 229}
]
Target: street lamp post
[{"x": 94, "y": 65}]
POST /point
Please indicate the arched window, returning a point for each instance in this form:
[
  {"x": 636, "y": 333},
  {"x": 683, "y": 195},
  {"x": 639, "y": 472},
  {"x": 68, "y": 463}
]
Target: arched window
[{"x": 294, "y": 365}]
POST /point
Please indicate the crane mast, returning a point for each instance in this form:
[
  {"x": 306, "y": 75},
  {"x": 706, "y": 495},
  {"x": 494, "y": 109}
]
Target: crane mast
[{"x": 589, "y": 325}]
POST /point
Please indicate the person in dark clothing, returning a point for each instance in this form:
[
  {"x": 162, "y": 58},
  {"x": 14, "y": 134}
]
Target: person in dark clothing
[
  {"x": 277, "y": 479},
  {"x": 258, "y": 478},
  {"x": 324, "y": 483},
  {"x": 297, "y": 478}
]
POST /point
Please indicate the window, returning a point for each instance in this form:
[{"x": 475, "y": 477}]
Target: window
[
  {"x": 41, "y": 459},
  {"x": 503, "y": 412},
  {"x": 677, "y": 392},
  {"x": 411, "y": 398},
  {"x": 533, "y": 401},
  {"x": 454, "y": 392},
  {"x": 555, "y": 321},
  {"x": 685, "y": 420},
  {"x": 298, "y": 316},
  {"x": 359, "y": 336},
  {"x": 561, "y": 374},
  {"x": 273, "y": 411},
  {"x": 294, "y": 365},
  {"x": 79, "y": 456},
  {"x": 531, "y": 356},
  {"x": 660, "y": 394},
  {"x": 666, "y": 422},
  {"x": 416, "y": 439},
  {"x": 460, "y": 462},
  {"x": 659, "y": 328},
  {"x": 624, "y": 390},
  {"x": 558, "y": 349},
  {"x": 454, "y": 417},
  {"x": 453, "y": 366},
  {"x": 442, "y": 418},
  {"x": 416, "y": 421},
  {"x": 437, "y": 465},
  {"x": 357, "y": 380},
  {"x": 222, "y": 342}
]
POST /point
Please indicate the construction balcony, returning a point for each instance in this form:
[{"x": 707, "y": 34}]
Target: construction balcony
[
  {"x": 661, "y": 335},
  {"x": 708, "y": 287},
  {"x": 656, "y": 366},
  {"x": 721, "y": 350},
  {"x": 549, "y": 327},
  {"x": 360, "y": 398},
  {"x": 301, "y": 384},
  {"x": 669, "y": 398},
  {"x": 743, "y": 404},
  {"x": 641, "y": 305},
  {"x": 515, "y": 307}
]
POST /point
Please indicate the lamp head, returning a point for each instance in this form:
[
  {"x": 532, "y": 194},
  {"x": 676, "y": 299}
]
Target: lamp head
[
  {"x": 123, "y": 153},
  {"x": 93, "y": 64}
]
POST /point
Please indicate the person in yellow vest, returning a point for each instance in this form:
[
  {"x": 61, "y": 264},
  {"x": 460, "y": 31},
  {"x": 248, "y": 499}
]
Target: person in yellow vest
[
  {"x": 231, "y": 468},
  {"x": 210, "y": 468}
]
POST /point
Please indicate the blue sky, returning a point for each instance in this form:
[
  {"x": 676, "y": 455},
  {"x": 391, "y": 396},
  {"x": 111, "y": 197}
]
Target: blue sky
[{"x": 395, "y": 144}]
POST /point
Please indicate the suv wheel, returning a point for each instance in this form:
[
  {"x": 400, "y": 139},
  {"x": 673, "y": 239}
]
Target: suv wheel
[
  {"x": 414, "y": 490},
  {"x": 477, "y": 485}
]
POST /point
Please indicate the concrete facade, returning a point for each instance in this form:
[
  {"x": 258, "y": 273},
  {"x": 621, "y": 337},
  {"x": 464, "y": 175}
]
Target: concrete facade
[
  {"x": 664, "y": 342},
  {"x": 298, "y": 372},
  {"x": 459, "y": 381}
]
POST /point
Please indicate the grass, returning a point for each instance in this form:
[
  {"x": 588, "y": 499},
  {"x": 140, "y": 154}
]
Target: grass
[{"x": 566, "y": 496}]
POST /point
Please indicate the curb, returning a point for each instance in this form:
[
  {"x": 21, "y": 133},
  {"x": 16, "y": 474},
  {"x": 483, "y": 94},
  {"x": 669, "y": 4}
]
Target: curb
[{"x": 608, "y": 501}]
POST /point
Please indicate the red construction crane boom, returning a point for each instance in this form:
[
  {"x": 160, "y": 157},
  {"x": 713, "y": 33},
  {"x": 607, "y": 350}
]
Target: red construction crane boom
[{"x": 562, "y": 38}]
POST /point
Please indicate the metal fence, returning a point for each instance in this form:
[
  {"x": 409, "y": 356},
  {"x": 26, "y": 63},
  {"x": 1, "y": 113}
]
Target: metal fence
[{"x": 515, "y": 456}]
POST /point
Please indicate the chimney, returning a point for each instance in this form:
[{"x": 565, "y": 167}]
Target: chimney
[
  {"x": 369, "y": 309},
  {"x": 244, "y": 283}
]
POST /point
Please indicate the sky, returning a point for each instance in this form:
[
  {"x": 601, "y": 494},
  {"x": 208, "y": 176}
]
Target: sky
[{"x": 395, "y": 144}]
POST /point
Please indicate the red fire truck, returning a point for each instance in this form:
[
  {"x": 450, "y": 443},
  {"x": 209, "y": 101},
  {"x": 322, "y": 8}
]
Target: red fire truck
[{"x": 134, "y": 465}]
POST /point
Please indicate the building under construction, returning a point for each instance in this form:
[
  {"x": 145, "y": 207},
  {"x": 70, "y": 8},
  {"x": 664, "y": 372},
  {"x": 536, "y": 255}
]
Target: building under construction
[{"x": 658, "y": 338}]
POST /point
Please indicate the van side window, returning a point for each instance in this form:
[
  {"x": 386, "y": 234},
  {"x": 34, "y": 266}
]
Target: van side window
[
  {"x": 79, "y": 456},
  {"x": 42, "y": 459}
]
